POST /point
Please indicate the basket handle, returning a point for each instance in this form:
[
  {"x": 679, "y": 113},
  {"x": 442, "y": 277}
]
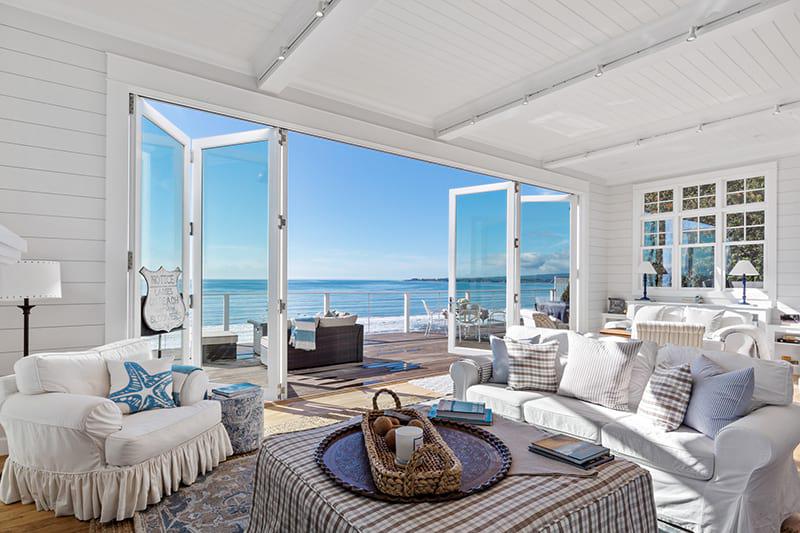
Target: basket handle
[
  {"x": 397, "y": 403},
  {"x": 417, "y": 458}
]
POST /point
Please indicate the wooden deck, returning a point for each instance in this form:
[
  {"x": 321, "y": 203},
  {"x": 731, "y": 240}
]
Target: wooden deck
[{"x": 430, "y": 353}]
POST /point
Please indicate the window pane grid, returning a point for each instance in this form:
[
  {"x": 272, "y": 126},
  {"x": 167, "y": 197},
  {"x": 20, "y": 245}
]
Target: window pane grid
[
  {"x": 745, "y": 191},
  {"x": 659, "y": 201},
  {"x": 699, "y": 196}
]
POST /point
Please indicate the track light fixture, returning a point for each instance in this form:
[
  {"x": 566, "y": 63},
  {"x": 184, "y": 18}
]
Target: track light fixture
[
  {"x": 692, "y": 34},
  {"x": 598, "y": 71},
  {"x": 320, "y": 12},
  {"x": 777, "y": 110},
  {"x": 473, "y": 120},
  {"x": 637, "y": 143},
  {"x": 283, "y": 53},
  {"x": 526, "y": 100},
  {"x": 699, "y": 129}
]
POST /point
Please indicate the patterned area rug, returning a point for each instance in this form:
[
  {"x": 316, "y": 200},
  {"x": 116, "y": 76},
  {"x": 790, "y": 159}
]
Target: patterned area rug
[{"x": 218, "y": 502}]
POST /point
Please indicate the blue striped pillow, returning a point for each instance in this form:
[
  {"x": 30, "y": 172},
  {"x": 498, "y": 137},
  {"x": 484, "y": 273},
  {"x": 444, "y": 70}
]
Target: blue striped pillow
[{"x": 718, "y": 397}]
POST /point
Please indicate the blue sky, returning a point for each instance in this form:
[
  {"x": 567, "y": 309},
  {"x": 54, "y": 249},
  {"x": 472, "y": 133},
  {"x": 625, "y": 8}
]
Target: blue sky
[{"x": 354, "y": 213}]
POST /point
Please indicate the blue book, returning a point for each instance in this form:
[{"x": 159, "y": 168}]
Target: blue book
[
  {"x": 237, "y": 389},
  {"x": 458, "y": 406},
  {"x": 435, "y": 414}
]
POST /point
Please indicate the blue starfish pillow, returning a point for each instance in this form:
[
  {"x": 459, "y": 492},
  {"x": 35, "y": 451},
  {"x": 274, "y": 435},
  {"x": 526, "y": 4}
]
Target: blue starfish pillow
[{"x": 141, "y": 385}]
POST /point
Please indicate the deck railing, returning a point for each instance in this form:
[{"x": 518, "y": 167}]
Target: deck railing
[{"x": 379, "y": 311}]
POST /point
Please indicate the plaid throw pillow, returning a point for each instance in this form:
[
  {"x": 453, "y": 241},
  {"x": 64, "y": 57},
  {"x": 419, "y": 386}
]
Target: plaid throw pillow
[
  {"x": 532, "y": 366},
  {"x": 667, "y": 396}
]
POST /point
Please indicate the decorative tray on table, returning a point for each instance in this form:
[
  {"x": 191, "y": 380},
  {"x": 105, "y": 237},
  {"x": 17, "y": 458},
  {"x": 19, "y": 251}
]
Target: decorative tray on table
[{"x": 346, "y": 457}]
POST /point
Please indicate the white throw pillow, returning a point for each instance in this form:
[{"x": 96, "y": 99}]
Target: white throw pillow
[
  {"x": 710, "y": 318},
  {"x": 141, "y": 385},
  {"x": 71, "y": 372},
  {"x": 599, "y": 371},
  {"x": 649, "y": 313}
]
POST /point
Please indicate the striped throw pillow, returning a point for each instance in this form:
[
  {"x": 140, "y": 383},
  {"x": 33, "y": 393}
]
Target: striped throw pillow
[
  {"x": 667, "y": 396},
  {"x": 532, "y": 366},
  {"x": 599, "y": 371},
  {"x": 718, "y": 397}
]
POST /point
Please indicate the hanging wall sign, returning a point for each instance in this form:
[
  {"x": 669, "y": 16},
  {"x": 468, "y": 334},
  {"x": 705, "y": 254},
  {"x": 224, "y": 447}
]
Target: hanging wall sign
[{"x": 163, "y": 308}]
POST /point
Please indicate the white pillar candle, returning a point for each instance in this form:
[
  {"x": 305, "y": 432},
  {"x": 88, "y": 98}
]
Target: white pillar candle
[{"x": 408, "y": 439}]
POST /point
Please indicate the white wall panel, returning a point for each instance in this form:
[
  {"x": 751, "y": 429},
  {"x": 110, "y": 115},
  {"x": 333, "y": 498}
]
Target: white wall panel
[{"x": 52, "y": 183}]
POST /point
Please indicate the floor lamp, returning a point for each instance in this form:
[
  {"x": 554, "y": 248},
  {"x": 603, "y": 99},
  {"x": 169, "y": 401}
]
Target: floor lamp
[{"x": 26, "y": 280}]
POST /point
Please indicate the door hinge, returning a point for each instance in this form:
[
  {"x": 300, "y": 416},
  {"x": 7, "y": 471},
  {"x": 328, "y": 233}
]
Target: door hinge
[
  {"x": 130, "y": 261},
  {"x": 191, "y": 301},
  {"x": 516, "y": 242},
  {"x": 282, "y": 136},
  {"x": 282, "y": 222},
  {"x": 131, "y": 103},
  {"x": 281, "y": 306},
  {"x": 516, "y": 187},
  {"x": 516, "y": 298},
  {"x": 191, "y": 156},
  {"x": 191, "y": 229}
]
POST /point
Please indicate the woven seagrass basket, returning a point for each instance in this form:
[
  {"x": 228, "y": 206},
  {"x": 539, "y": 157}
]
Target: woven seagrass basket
[{"x": 433, "y": 469}]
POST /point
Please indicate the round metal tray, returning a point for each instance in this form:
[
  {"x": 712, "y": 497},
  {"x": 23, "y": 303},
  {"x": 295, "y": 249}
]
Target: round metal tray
[{"x": 484, "y": 457}]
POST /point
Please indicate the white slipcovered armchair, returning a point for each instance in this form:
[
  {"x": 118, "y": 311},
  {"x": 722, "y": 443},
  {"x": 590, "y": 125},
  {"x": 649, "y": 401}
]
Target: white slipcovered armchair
[{"x": 72, "y": 451}]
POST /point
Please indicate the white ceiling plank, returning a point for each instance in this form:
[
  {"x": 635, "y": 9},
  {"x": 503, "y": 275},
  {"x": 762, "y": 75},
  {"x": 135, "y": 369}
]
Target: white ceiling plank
[
  {"x": 774, "y": 38},
  {"x": 576, "y": 70}
]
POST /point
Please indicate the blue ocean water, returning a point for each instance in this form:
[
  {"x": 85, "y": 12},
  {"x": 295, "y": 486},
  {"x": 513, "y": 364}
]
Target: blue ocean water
[{"x": 373, "y": 298}]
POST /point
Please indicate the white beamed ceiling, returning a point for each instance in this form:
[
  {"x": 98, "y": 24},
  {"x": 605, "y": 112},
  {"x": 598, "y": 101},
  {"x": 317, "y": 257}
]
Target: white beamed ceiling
[{"x": 424, "y": 64}]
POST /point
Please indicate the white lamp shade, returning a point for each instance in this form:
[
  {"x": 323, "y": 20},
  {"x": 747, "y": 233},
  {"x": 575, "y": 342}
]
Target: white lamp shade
[
  {"x": 744, "y": 268},
  {"x": 646, "y": 267},
  {"x": 11, "y": 246},
  {"x": 30, "y": 279}
]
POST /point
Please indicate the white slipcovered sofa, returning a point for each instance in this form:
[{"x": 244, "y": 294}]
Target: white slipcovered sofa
[
  {"x": 73, "y": 452},
  {"x": 745, "y": 480}
]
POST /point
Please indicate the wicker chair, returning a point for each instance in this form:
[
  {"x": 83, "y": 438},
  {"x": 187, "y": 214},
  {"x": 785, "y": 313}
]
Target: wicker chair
[
  {"x": 542, "y": 320},
  {"x": 678, "y": 333}
]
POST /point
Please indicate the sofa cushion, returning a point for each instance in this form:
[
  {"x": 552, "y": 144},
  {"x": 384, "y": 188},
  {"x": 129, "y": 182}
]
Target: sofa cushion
[
  {"x": 773, "y": 379},
  {"x": 599, "y": 371},
  {"x": 337, "y": 321},
  {"x": 684, "y": 452},
  {"x": 532, "y": 366},
  {"x": 570, "y": 415},
  {"x": 126, "y": 350},
  {"x": 150, "y": 433},
  {"x": 73, "y": 372},
  {"x": 648, "y": 313},
  {"x": 710, "y": 318},
  {"x": 500, "y": 400}
]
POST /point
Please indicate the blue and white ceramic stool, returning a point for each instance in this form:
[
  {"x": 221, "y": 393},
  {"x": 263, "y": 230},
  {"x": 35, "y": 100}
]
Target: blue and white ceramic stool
[{"x": 243, "y": 418}]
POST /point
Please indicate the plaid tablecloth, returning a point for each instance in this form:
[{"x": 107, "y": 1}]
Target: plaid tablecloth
[{"x": 292, "y": 494}]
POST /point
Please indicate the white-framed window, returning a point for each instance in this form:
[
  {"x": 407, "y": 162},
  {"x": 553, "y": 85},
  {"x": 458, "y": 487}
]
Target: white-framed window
[{"x": 696, "y": 228}]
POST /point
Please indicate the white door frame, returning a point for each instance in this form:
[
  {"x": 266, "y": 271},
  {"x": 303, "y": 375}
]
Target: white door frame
[
  {"x": 275, "y": 359},
  {"x": 141, "y": 109},
  {"x": 511, "y": 258},
  {"x": 573, "y": 246}
]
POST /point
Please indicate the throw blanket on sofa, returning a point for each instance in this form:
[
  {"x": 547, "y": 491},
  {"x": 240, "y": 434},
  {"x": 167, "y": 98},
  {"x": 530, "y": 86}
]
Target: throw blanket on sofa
[{"x": 304, "y": 333}]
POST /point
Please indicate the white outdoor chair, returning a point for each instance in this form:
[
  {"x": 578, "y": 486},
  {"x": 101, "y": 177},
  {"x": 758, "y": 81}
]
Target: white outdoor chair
[
  {"x": 431, "y": 315},
  {"x": 468, "y": 316}
]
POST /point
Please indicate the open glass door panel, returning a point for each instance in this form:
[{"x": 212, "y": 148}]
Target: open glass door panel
[
  {"x": 481, "y": 265},
  {"x": 161, "y": 202},
  {"x": 546, "y": 258}
]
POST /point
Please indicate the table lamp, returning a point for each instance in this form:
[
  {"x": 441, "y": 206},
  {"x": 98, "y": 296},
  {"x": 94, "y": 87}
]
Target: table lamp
[
  {"x": 744, "y": 268},
  {"x": 645, "y": 268},
  {"x": 24, "y": 280}
]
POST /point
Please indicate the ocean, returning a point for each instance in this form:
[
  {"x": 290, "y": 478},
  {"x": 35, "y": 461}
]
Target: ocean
[{"x": 379, "y": 303}]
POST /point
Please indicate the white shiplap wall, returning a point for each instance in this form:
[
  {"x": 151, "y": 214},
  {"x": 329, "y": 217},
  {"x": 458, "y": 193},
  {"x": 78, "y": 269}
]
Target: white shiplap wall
[
  {"x": 789, "y": 234},
  {"x": 619, "y": 231},
  {"x": 52, "y": 182},
  {"x": 598, "y": 254}
]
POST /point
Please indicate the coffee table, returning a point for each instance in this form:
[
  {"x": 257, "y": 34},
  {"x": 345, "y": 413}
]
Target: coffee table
[
  {"x": 292, "y": 494},
  {"x": 616, "y": 332}
]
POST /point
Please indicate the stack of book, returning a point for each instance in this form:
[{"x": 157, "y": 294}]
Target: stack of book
[
  {"x": 235, "y": 390},
  {"x": 458, "y": 411},
  {"x": 570, "y": 450}
]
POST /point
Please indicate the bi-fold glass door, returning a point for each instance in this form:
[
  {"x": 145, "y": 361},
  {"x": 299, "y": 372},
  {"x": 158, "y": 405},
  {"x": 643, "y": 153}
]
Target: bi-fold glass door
[
  {"x": 186, "y": 194},
  {"x": 500, "y": 242}
]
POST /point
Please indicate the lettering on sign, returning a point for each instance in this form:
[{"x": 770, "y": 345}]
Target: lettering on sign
[{"x": 164, "y": 309}]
